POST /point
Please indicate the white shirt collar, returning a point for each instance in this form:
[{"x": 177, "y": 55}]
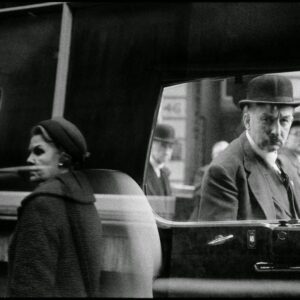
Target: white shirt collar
[
  {"x": 156, "y": 166},
  {"x": 268, "y": 157}
]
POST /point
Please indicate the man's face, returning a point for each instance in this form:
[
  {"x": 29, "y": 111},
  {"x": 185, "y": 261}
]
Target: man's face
[
  {"x": 269, "y": 125},
  {"x": 293, "y": 141},
  {"x": 161, "y": 151}
]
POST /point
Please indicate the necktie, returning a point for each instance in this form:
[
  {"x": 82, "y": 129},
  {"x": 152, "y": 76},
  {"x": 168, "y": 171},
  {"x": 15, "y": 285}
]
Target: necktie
[{"x": 288, "y": 186}]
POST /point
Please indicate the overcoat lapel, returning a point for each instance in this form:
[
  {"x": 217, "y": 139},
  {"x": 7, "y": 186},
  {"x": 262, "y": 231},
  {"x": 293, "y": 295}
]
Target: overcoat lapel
[
  {"x": 257, "y": 180},
  {"x": 154, "y": 187},
  {"x": 294, "y": 182}
]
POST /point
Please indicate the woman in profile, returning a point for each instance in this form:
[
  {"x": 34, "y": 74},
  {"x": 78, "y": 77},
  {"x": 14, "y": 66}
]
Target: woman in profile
[{"x": 55, "y": 250}]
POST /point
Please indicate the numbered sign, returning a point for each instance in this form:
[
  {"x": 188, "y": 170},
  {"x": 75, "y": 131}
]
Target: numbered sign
[{"x": 173, "y": 108}]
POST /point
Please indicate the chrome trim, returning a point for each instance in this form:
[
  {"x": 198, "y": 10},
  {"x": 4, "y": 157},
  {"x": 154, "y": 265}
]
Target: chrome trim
[
  {"x": 161, "y": 222},
  {"x": 220, "y": 240},
  {"x": 131, "y": 204}
]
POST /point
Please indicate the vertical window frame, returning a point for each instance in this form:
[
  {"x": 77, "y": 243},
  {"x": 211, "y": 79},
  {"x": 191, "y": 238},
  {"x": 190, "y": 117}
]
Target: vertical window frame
[
  {"x": 64, "y": 46},
  {"x": 63, "y": 62}
]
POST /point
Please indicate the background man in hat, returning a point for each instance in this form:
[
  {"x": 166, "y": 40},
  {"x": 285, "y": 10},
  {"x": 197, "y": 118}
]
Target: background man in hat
[
  {"x": 247, "y": 181},
  {"x": 290, "y": 152},
  {"x": 157, "y": 182},
  {"x": 217, "y": 148}
]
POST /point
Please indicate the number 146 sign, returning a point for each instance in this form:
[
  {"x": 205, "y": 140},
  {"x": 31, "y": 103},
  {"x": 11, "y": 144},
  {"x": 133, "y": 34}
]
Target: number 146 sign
[{"x": 173, "y": 108}]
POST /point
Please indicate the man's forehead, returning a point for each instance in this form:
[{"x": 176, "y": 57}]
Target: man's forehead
[
  {"x": 162, "y": 143},
  {"x": 275, "y": 110}
]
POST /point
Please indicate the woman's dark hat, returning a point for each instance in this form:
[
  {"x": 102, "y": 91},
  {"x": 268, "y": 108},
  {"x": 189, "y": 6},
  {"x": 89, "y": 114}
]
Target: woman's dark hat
[
  {"x": 270, "y": 89},
  {"x": 164, "y": 133},
  {"x": 66, "y": 135}
]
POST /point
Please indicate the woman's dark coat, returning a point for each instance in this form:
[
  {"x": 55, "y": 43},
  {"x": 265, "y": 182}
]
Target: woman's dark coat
[{"x": 55, "y": 250}]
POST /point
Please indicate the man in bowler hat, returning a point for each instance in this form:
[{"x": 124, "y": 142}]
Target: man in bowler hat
[
  {"x": 157, "y": 182},
  {"x": 247, "y": 180}
]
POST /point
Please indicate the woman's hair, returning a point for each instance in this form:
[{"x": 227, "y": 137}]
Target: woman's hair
[{"x": 39, "y": 130}]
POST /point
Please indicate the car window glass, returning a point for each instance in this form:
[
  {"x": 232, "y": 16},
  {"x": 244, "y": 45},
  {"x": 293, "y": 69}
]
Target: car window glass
[
  {"x": 28, "y": 61},
  {"x": 203, "y": 113}
]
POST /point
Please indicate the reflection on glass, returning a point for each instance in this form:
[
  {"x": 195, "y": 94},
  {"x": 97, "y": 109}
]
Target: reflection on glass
[
  {"x": 28, "y": 60},
  {"x": 131, "y": 245},
  {"x": 158, "y": 187}
]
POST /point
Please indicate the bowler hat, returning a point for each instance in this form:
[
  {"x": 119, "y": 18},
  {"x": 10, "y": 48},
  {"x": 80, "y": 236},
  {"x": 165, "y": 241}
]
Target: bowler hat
[
  {"x": 270, "y": 89},
  {"x": 66, "y": 135},
  {"x": 164, "y": 133}
]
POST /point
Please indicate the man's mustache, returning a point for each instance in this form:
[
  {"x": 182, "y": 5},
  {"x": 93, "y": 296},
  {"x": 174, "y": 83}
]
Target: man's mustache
[{"x": 275, "y": 139}]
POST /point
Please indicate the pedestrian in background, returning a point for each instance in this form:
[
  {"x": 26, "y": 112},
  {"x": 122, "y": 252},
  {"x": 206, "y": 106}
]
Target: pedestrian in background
[
  {"x": 290, "y": 152},
  {"x": 157, "y": 180},
  {"x": 217, "y": 148}
]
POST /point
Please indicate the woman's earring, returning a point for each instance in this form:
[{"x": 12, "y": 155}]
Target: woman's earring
[{"x": 64, "y": 161}]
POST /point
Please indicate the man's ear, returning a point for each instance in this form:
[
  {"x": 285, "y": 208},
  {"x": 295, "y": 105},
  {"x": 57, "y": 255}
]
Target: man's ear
[{"x": 246, "y": 119}]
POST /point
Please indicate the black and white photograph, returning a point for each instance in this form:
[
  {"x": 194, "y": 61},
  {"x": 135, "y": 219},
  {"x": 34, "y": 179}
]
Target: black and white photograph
[{"x": 150, "y": 149}]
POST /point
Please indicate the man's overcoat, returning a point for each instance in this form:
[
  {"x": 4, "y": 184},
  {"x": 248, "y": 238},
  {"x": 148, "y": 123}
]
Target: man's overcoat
[
  {"x": 287, "y": 154},
  {"x": 158, "y": 186},
  {"x": 237, "y": 186}
]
